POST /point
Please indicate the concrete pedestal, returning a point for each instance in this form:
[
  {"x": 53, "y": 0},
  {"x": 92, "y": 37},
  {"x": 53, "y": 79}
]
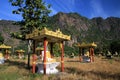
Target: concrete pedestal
[
  {"x": 2, "y": 60},
  {"x": 50, "y": 67},
  {"x": 85, "y": 59}
]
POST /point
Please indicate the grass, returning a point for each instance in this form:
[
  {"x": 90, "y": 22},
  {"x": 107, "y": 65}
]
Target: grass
[{"x": 101, "y": 69}]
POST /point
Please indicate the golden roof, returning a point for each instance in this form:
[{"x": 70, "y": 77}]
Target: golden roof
[
  {"x": 20, "y": 51},
  {"x": 83, "y": 45},
  {"x": 3, "y": 46},
  {"x": 52, "y": 36},
  {"x": 39, "y": 48},
  {"x": 9, "y": 51}
]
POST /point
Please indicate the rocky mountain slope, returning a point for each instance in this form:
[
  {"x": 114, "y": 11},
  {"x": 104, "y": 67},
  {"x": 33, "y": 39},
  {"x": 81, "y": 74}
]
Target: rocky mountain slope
[
  {"x": 6, "y": 27},
  {"x": 98, "y": 30}
]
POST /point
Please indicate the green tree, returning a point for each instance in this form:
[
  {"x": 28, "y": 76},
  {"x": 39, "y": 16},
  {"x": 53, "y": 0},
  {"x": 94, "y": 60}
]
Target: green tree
[
  {"x": 1, "y": 39},
  {"x": 34, "y": 13},
  {"x": 115, "y": 46}
]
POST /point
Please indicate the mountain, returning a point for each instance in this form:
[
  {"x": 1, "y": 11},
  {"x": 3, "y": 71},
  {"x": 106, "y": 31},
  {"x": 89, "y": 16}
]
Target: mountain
[
  {"x": 6, "y": 27},
  {"x": 70, "y": 23},
  {"x": 101, "y": 31},
  {"x": 98, "y": 30}
]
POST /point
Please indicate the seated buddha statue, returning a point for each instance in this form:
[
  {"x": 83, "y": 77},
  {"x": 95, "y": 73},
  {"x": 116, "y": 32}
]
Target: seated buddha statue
[
  {"x": 48, "y": 57},
  {"x": 1, "y": 55}
]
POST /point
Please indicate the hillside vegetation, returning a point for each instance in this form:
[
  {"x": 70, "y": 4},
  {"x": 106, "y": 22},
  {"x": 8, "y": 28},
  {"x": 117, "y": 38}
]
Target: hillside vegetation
[
  {"x": 103, "y": 32},
  {"x": 101, "y": 69}
]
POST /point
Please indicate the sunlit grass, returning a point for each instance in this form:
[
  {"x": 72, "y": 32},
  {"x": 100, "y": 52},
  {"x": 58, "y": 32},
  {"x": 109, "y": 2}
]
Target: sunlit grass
[{"x": 101, "y": 69}]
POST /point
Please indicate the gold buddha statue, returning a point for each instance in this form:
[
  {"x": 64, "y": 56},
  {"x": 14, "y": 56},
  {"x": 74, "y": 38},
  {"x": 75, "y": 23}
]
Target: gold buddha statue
[
  {"x": 1, "y": 55},
  {"x": 48, "y": 57}
]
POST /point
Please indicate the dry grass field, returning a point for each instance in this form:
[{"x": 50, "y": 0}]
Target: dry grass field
[{"x": 101, "y": 69}]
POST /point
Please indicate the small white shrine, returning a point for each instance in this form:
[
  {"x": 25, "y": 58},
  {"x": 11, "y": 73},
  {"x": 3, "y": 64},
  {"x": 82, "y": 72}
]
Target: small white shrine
[
  {"x": 51, "y": 64},
  {"x": 6, "y": 53},
  {"x": 89, "y": 55},
  {"x": 1, "y": 58}
]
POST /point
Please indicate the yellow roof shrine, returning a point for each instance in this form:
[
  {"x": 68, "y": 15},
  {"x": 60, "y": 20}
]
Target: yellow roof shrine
[
  {"x": 52, "y": 36},
  {"x": 39, "y": 48},
  {"x": 20, "y": 51},
  {"x": 84, "y": 45},
  {"x": 3, "y": 46}
]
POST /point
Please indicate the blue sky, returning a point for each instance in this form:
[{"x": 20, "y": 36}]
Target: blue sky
[{"x": 87, "y": 8}]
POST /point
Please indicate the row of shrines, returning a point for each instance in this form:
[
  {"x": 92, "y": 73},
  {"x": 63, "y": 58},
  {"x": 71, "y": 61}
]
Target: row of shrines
[{"x": 47, "y": 36}]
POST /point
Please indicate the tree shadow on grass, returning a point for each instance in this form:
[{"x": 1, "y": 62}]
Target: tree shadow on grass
[
  {"x": 103, "y": 75},
  {"x": 72, "y": 61},
  {"x": 19, "y": 64},
  {"x": 77, "y": 61}
]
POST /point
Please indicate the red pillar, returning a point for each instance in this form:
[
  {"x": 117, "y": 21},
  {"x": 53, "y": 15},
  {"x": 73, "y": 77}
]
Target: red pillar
[
  {"x": 80, "y": 54},
  {"x": 44, "y": 60},
  {"x": 91, "y": 55},
  {"x": 92, "y": 52},
  {"x": 62, "y": 57},
  {"x": 33, "y": 58},
  {"x": 6, "y": 54},
  {"x": 19, "y": 55}
]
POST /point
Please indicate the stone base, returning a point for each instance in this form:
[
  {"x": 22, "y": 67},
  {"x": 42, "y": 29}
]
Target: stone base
[
  {"x": 50, "y": 67},
  {"x": 2, "y": 60},
  {"x": 85, "y": 59}
]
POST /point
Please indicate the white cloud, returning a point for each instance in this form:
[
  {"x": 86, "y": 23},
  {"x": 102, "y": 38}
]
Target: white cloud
[
  {"x": 65, "y": 6},
  {"x": 70, "y": 4},
  {"x": 53, "y": 11},
  {"x": 97, "y": 9},
  {"x": 61, "y": 6}
]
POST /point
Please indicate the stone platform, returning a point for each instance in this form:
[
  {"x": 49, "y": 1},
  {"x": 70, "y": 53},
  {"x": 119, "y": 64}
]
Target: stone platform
[
  {"x": 2, "y": 60},
  {"x": 50, "y": 67}
]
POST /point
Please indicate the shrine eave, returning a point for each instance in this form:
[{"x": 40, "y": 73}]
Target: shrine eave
[
  {"x": 87, "y": 45},
  {"x": 50, "y": 35}
]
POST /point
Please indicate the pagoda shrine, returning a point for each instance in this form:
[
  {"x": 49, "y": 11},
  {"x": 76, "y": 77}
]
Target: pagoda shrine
[{"x": 47, "y": 36}]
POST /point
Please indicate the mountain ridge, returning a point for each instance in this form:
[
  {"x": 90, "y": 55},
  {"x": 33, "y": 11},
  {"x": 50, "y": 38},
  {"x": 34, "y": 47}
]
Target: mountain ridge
[{"x": 98, "y": 30}]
